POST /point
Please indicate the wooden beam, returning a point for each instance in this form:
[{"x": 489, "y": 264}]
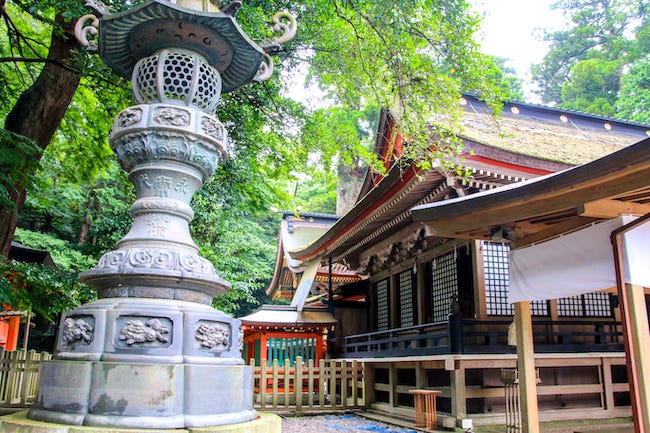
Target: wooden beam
[
  {"x": 550, "y": 232},
  {"x": 611, "y": 208},
  {"x": 519, "y": 204},
  {"x": 526, "y": 367}
]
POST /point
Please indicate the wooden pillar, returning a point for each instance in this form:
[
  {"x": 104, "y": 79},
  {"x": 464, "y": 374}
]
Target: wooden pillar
[
  {"x": 634, "y": 322},
  {"x": 26, "y": 333},
  {"x": 420, "y": 295},
  {"x": 368, "y": 384},
  {"x": 458, "y": 394},
  {"x": 392, "y": 383},
  {"x": 393, "y": 300},
  {"x": 264, "y": 354},
  {"x": 526, "y": 367},
  {"x": 12, "y": 335},
  {"x": 639, "y": 360},
  {"x": 480, "y": 304},
  {"x": 608, "y": 386}
]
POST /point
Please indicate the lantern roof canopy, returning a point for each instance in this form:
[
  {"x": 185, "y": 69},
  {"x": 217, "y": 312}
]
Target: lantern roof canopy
[{"x": 131, "y": 35}]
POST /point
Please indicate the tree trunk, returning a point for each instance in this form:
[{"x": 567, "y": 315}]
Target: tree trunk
[
  {"x": 85, "y": 229},
  {"x": 38, "y": 113}
]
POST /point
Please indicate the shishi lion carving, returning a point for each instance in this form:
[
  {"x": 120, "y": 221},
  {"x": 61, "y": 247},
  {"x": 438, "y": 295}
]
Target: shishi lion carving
[
  {"x": 213, "y": 336},
  {"x": 74, "y": 330},
  {"x": 137, "y": 331}
]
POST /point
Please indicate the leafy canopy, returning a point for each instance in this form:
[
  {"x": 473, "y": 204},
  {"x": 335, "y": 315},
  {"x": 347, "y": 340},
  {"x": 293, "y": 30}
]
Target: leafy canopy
[
  {"x": 414, "y": 56},
  {"x": 596, "y": 64}
]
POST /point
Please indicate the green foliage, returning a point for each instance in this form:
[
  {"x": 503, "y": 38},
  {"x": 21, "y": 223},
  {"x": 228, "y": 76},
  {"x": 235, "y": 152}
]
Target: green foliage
[
  {"x": 63, "y": 254},
  {"x": 243, "y": 252},
  {"x": 23, "y": 37},
  {"x": 414, "y": 56},
  {"x": 506, "y": 78},
  {"x": 47, "y": 292},
  {"x": 341, "y": 136},
  {"x": 317, "y": 193},
  {"x": 66, "y": 206},
  {"x": 81, "y": 144},
  {"x": 588, "y": 62},
  {"x": 18, "y": 159},
  {"x": 634, "y": 100},
  {"x": 593, "y": 87},
  {"x": 5, "y": 291},
  {"x": 233, "y": 224}
]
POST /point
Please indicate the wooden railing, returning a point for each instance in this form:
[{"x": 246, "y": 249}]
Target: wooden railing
[
  {"x": 19, "y": 376},
  {"x": 485, "y": 336},
  {"x": 328, "y": 385},
  {"x": 430, "y": 339}
]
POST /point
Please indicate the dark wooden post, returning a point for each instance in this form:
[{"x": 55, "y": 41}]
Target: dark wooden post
[{"x": 455, "y": 332}]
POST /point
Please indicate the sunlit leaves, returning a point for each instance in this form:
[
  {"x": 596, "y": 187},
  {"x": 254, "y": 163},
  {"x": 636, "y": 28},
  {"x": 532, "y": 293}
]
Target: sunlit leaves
[
  {"x": 588, "y": 62},
  {"x": 63, "y": 254},
  {"x": 414, "y": 56},
  {"x": 45, "y": 291},
  {"x": 634, "y": 98}
]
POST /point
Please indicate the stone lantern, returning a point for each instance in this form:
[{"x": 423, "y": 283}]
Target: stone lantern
[{"x": 151, "y": 352}]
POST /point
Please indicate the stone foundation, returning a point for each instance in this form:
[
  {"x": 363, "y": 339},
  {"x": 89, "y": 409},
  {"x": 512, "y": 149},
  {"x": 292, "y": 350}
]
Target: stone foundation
[{"x": 19, "y": 423}]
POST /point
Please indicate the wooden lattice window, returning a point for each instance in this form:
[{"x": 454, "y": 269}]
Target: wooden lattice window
[
  {"x": 444, "y": 285},
  {"x": 383, "y": 317},
  {"x": 405, "y": 293},
  {"x": 587, "y": 305},
  {"x": 597, "y": 304},
  {"x": 496, "y": 269},
  {"x": 570, "y": 307}
]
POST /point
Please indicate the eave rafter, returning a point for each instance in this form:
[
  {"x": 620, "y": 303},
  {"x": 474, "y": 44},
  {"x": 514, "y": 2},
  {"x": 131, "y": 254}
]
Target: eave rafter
[{"x": 393, "y": 224}]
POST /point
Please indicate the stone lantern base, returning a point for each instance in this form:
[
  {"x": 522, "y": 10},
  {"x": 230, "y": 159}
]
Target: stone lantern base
[
  {"x": 18, "y": 422},
  {"x": 151, "y": 363}
]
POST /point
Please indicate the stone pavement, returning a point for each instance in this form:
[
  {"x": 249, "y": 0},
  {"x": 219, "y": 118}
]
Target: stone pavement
[{"x": 338, "y": 423}]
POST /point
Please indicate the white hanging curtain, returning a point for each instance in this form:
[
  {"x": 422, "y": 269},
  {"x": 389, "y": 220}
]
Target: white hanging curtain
[{"x": 578, "y": 262}]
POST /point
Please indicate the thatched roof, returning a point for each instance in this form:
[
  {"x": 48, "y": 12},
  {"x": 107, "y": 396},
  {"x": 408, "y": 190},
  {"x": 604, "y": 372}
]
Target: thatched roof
[{"x": 543, "y": 132}]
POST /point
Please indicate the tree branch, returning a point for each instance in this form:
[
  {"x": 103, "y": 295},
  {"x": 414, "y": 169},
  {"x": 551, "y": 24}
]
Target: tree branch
[
  {"x": 357, "y": 39},
  {"x": 37, "y": 60}
]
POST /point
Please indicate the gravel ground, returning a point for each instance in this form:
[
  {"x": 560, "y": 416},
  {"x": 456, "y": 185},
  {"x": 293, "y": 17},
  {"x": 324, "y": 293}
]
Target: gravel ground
[{"x": 337, "y": 423}]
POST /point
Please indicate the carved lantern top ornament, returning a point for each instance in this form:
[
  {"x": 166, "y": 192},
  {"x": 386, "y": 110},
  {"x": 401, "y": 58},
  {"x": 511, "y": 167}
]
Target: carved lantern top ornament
[{"x": 199, "y": 26}]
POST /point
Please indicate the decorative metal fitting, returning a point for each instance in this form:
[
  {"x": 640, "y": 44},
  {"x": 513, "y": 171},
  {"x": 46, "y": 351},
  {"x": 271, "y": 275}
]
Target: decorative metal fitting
[{"x": 81, "y": 32}]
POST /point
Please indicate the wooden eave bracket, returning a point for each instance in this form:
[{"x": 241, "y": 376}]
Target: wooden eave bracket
[{"x": 608, "y": 208}]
